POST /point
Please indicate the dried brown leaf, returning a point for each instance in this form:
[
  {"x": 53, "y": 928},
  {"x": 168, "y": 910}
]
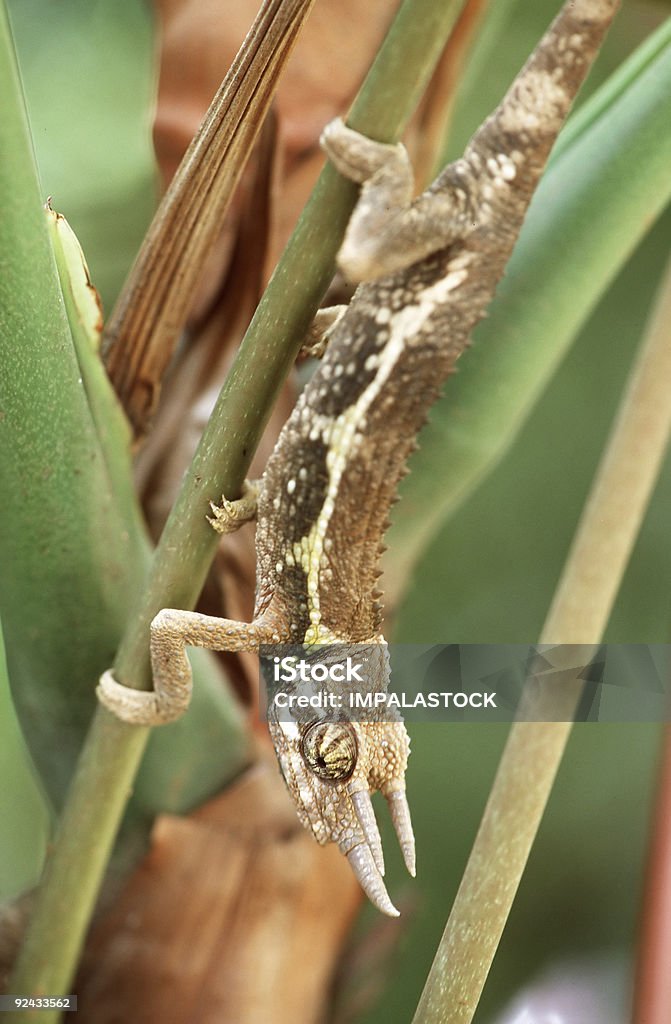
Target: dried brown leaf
[
  {"x": 222, "y": 917},
  {"x": 154, "y": 304}
]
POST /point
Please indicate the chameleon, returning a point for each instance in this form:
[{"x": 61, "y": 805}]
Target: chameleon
[{"x": 426, "y": 269}]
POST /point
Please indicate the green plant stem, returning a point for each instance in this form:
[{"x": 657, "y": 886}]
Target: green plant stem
[
  {"x": 112, "y": 751},
  {"x": 86, "y": 832},
  {"x": 578, "y": 615}
]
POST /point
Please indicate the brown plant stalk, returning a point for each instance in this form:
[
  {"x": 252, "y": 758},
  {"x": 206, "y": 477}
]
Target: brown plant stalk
[{"x": 143, "y": 330}]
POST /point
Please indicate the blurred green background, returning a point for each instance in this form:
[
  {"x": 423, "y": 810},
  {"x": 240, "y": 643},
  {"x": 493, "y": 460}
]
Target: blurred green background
[
  {"x": 89, "y": 79},
  {"x": 88, "y": 70}
]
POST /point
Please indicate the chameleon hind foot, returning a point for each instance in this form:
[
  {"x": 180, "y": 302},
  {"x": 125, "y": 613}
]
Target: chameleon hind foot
[{"x": 390, "y": 231}]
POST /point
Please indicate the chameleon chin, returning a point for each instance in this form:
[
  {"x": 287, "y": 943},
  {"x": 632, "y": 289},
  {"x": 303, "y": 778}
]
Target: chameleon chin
[{"x": 426, "y": 268}]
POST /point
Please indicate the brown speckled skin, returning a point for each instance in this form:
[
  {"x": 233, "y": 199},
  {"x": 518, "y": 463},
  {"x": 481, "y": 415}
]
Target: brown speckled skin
[
  {"x": 471, "y": 215},
  {"x": 431, "y": 267}
]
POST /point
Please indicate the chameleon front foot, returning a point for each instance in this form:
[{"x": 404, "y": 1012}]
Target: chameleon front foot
[
  {"x": 320, "y": 331},
  {"x": 231, "y": 515},
  {"x": 171, "y": 631}
]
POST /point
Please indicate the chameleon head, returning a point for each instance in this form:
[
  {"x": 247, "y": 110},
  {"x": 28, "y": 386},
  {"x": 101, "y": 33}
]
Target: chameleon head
[{"x": 331, "y": 766}]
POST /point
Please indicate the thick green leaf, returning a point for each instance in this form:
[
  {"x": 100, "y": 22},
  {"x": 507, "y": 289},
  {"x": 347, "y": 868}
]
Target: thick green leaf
[
  {"x": 187, "y": 762},
  {"x": 84, "y": 312},
  {"x": 88, "y": 71},
  {"x": 72, "y": 548},
  {"x": 596, "y": 201},
  {"x": 65, "y": 548},
  {"x": 23, "y": 811}
]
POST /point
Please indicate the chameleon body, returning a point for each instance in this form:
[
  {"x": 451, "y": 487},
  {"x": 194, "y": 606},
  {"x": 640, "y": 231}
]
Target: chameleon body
[{"x": 429, "y": 268}]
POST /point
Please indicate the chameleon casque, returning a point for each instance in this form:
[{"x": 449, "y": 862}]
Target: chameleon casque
[{"x": 427, "y": 269}]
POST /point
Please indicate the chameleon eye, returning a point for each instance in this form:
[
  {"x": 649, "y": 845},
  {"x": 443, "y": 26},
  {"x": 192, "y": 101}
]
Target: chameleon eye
[{"x": 329, "y": 749}]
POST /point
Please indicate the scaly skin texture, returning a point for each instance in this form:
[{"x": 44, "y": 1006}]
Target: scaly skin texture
[{"x": 430, "y": 267}]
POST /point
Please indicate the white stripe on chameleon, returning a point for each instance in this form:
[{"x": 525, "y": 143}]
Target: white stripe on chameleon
[{"x": 343, "y": 434}]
